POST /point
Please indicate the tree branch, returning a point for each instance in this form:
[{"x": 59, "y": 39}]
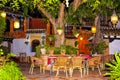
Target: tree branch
[
  {"x": 61, "y": 20},
  {"x": 47, "y": 14},
  {"x": 76, "y": 4}
]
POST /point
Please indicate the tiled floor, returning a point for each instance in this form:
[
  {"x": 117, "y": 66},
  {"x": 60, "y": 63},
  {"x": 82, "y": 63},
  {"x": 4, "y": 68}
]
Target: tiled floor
[{"x": 93, "y": 75}]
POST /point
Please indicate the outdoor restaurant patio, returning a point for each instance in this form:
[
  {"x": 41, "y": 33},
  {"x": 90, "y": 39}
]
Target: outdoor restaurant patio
[{"x": 59, "y": 40}]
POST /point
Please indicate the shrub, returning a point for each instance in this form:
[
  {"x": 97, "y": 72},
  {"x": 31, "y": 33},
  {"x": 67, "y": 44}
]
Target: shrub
[
  {"x": 114, "y": 68},
  {"x": 10, "y": 71}
]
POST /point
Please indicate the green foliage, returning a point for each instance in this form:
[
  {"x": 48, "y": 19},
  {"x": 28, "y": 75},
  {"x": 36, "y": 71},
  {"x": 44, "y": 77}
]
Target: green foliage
[
  {"x": 1, "y": 52},
  {"x": 71, "y": 50},
  {"x": 89, "y": 8},
  {"x": 101, "y": 47},
  {"x": 37, "y": 51},
  {"x": 52, "y": 6},
  {"x": 57, "y": 50},
  {"x": 51, "y": 37},
  {"x": 2, "y": 27},
  {"x": 76, "y": 43},
  {"x": 10, "y": 71},
  {"x": 63, "y": 46},
  {"x": 114, "y": 68},
  {"x": 71, "y": 16},
  {"x": 5, "y": 50},
  {"x": 15, "y": 5}
]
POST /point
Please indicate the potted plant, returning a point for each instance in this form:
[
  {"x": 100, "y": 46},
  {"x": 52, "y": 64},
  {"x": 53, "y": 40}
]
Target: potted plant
[
  {"x": 57, "y": 50},
  {"x": 71, "y": 50},
  {"x": 63, "y": 49},
  {"x": 51, "y": 50}
]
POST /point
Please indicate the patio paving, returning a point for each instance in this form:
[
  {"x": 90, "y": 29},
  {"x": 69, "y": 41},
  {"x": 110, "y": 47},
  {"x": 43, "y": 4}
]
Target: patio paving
[{"x": 93, "y": 75}]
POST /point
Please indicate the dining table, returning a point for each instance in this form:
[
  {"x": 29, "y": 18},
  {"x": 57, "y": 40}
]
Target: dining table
[{"x": 52, "y": 59}]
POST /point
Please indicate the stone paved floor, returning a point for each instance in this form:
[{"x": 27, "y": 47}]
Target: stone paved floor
[{"x": 93, "y": 75}]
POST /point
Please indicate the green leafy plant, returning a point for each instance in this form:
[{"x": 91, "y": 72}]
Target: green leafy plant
[
  {"x": 51, "y": 37},
  {"x": 63, "y": 46},
  {"x": 71, "y": 50},
  {"x": 10, "y": 71},
  {"x": 2, "y": 27},
  {"x": 101, "y": 47},
  {"x": 75, "y": 33},
  {"x": 57, "y": 50},
  {"x": 114, "y": 68},
  {"x": 38, "y": 51},
  {"x": 5, "y": 50}
]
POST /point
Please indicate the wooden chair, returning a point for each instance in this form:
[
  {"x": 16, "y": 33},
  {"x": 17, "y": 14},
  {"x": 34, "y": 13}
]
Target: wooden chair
[
  {"x": 78, "y": 63},
  {"x": 36, "y": 62},
  {"x": 95, "y": 62},
  {"x": 62, "y": 63}
]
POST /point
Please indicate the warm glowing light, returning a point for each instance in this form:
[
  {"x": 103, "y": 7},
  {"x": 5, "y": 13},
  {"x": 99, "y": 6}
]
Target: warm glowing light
[
  {"x": 59, "y": 31},
  {"x": 114, "y": 18},
  {"x": 3, "y": 14},
  {"x": 16, "y": 24},
  {"x": 93, "y": 29},
  {"x": 81, "y": 38}
]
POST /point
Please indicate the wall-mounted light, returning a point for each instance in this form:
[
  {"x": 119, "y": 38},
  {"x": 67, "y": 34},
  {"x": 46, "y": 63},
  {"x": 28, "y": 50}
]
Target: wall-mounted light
[
  {"x": 93, "y": 29},
  {"x": 16, "y": 24},
  {"x": 114, "y": 18},
  {"x": 3, "y": 14}
]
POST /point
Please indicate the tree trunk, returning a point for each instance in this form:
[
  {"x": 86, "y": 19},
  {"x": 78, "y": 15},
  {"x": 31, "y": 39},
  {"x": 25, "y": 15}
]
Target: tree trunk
[
  {"x": 60, "y": 21},
  {"x": 98, "y": 35}
]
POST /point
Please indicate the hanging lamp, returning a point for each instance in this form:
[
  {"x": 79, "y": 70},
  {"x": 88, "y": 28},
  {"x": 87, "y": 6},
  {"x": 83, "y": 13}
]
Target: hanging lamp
[{"x": 114, "y": 18}]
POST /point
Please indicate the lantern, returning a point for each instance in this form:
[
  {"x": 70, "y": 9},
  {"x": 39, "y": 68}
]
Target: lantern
[
  {"x": 16, "y": 24},
  {"x": 114, "y": 18},
  {"x": 93, "y": 29}
]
